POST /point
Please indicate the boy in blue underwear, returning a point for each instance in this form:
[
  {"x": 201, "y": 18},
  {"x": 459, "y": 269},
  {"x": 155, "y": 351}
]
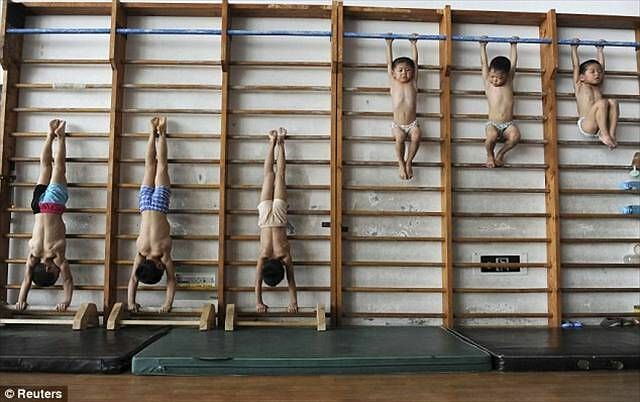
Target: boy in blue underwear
[
  {"x": 46, "y": 259},
  {"x": 154, "y": 241},
  {"x": 498, "y": 87},
  {"x": 403, "y": 80},
  {"x": 275, "y": 253}
]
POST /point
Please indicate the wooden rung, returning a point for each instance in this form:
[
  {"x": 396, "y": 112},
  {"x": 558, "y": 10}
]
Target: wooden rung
[
  {"x": 174, "y": 211},
  {"x": 476, "y": 140},
  {"x": 465, "y": 69},
  {"x": 597, "y": 216},
  {"x": 59, "y": 287},
  {"x": 289, "y": 162},
  {"x": 500, "y": 240},
  {"x": 593, "y": 167},
  {"x": 390, "y": 213},
  {"x": 61, "y": 86},
  {"x": 69, "y": 185},
  {"x": 280, "y": 88},
  {"x": 572, "y": 119},
  {"x": 179, "y": 87},
  {"x": 60, "y": 110},
  {"x": 500, "y": 265},
  {"x": 204, "y": 318},
  {"x": 182, "y": 161},
  {"x": 244, "y": 289},
  {"x": 600, "y": 314},
  {"x": 499, "y": 190},
  {"x": 519, "y": 94},
  {"x": 290, "y": 137},
  {"x": 391, "y": 188},
  {"x": 67, "y": 236},
  {"x": 600, "y": 240},
  {"x": 525, "y": 166},
  {"x": 85, "y": 317},
  {"x": 385, "y": 90},
  {"x": 609, "y": 73},
  {"x": 280, "y": 112},
  {"x": 190, "y": 136},
  {"x": 600, "y": 290},
  {"x": 571, "y": 143},
  {"x": 598, "y": 191},
  {"x": 232, "y": 321},
  {"x": 176, "y": 186},
  {"x": 372, "y": 289},
  {"x": 393, "y": 238},
  {"x": 30, "y": 159},
  {"x": 431, "y": 67},
  {"x": 598, "y": 265},
  {"x": 41, "y": 134},
  {"x": 292, "y": 237},
  {"x": 317, "y": 212},
  {"x": 481, "y": 116},
  {"x": 170, "y": 111},
  {"x": 70, "y": 261},
  {"x": 501, "y": 290},
  {"x": 134, "y": 236},
  {"x": 499, "y": 215},
  {"x": 389, "y": 163},
  {"x": 571, "y": 95},
  {"x": 502, "y": 315},
  {"x": 303, "y": 187},
  {"x": 66, "y": 61},
  {"x": 161, "y": 62},
  {"x": 387, "y": 138},
  {"x": 178, "y": 262},
  {"x": 388, "y": 114},
  {"x": 252, "y": 263},
  {"x": 363, "y": 314},
  {"x": 389, "y": 264},
  {"x": 277, "y": 64},
  {"x": 67, "y": 210}
]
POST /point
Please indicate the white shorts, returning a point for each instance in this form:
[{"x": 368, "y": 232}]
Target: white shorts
[
  {"x": 406, "y": 128},
  {"x": 581, "y": 131},
  {"x": 272, "y": 213}
]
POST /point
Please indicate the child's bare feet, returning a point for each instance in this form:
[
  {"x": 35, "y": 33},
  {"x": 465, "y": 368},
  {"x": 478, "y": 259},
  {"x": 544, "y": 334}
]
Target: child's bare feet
[
  {"x": 409, "y": 170},
  {"x": 273, "y": 135},
  {"x": 608, "y": 141},
  {"x": 60, "y": 130},
  {"x": 261, "y": 307},
  {"x": 154, "y": 125},
  {"x": 53, "y": 125},
  {"x": 402, "y": 170},
  {"x": 491, "y": 162},
  {"x": 499, "y": 161},
  {"x": 293, "y": 307},
  {"x": 162, "y": 126}
]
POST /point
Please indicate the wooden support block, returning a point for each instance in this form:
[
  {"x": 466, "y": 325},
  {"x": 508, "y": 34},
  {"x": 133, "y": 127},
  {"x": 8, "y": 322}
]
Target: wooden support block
[
  {"x": 207, "y": 317},
  {"x": 230, "y": 317},
  {"x": 86, "y": 317},
  {"x": 118, "y": 313},
  {"x": 321, "y": 318}
]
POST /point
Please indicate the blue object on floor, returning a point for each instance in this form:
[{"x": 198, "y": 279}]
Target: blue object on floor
[
  {"x": 631, "y": 210},
  {"x": 630, "y": 185}
]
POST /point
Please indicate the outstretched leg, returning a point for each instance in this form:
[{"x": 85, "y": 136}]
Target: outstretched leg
[
  {"x": 46, "y": 158},
  {"x": 162, "y": 170},
  {"x": 268, "y": 176},
  {"x": 400, "y": 137},
  {"x": 490, "y": 144},
  {"x": 512, "y": 137},
  {"x": 60, "y": 168},
  {"x": 150, "y": 156},
  {"x": 280, "y": 186},
  {"x": 413, "y": 149},
  {"x": 614, "y": 111}
]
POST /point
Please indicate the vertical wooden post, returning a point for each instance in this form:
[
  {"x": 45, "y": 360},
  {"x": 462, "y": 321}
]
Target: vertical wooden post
[
  {"x": 337, "y": 43},
  {"x": 117, "y": 54},
  {"x": 549, "y": 65},
  {"x": 11, "y": 48},
  {"x": 446, "y": 59},
  {"x": 225, "y": 51}
]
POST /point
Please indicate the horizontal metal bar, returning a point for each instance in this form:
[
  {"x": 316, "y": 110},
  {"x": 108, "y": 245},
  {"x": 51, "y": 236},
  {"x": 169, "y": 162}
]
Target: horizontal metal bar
[
  {"x": 248, "y": 32},
  {"x": 167, "y": 31},
  {"x": 598, "y": 43},
  {"x": 32, "y": 31},
  {"x": 499, "y": 39},
  {"x": 389, "y": 35}
]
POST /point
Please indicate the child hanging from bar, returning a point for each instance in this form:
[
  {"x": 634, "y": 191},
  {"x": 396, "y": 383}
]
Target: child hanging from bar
[
  {"x": 403, "y": 78},
  {"x": 275, "y": 253},
  {"x": 46, "y": 259},
  {"x": 498, "y": 79},
  {"x": 154, "y": 241},
  {"x": 598, "y": 117}
]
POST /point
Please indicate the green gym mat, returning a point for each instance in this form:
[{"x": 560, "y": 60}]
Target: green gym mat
[{"x": 291, "y": 351}]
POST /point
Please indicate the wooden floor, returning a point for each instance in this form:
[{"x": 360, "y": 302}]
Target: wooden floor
[{"x": 597, "y": 386}]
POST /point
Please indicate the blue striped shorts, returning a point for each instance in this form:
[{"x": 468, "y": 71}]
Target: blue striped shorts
[{"x": 154, "y": 199}]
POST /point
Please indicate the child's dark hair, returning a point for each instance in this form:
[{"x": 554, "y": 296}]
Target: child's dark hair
[
  {"x": 401, "y": 60},
  {"x": 585, "y": 64},
  {"x": 147, "y": 272},
  {"x": 42, "y": 277},
  {"x": 501, "y": 64},
  {"x": 272, "y": 272}
]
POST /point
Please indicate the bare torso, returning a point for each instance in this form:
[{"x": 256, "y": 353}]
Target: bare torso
[
  {"x": 154, "y": 239},
  {"x": 403, "y": 98},
  {"x": 586, "y": 96},
  {"x": 48, "y": 237},
  {"x": 500, "y": 101},
  {"x": 273, "y": 240}
]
